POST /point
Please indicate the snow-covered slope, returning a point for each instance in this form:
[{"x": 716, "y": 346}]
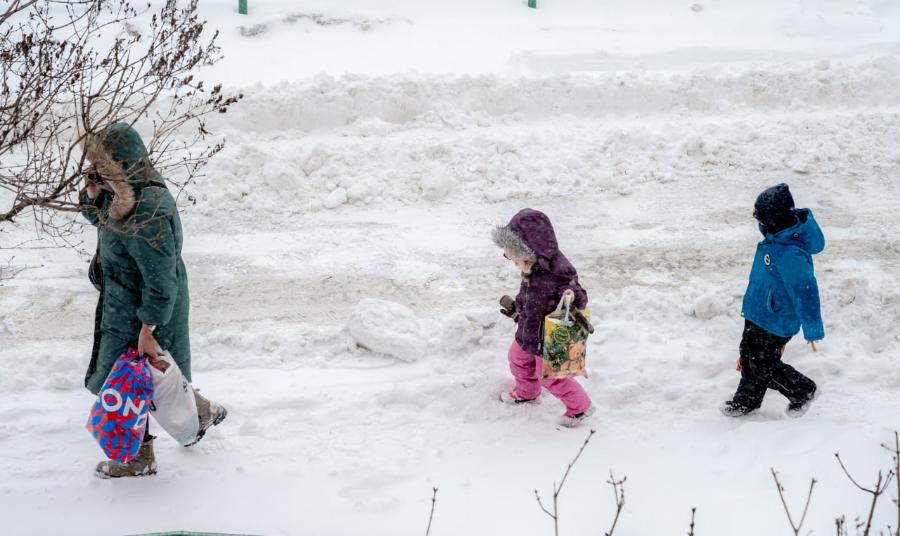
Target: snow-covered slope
[{"x": 644, "y": 129}]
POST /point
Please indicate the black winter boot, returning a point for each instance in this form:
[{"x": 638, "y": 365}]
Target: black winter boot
[
  {"x": 733, "y": 409},
  {"x": 797, "y": 408}
]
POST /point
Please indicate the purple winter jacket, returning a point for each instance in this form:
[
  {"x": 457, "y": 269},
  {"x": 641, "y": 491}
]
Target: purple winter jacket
[{"x": 551, "y": 275}]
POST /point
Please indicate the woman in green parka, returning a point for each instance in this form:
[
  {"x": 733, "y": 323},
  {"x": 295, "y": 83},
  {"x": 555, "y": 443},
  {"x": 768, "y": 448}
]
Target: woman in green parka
[{"x": 144, "y": 298}]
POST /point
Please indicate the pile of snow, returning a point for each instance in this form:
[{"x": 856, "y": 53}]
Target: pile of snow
[
  {"x": 373, "y": 106},
  {"x": 329, "y": 142},
  {"x": 714, "y": 304},
  {"x": 388, "y": 328}
]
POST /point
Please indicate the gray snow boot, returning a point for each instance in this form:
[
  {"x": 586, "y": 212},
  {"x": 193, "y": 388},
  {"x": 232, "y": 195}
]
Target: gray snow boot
[
  {"x": 575, "y": 420},
  {"x": 210, "y": 414},
  {"x": 143, "y": 464}
]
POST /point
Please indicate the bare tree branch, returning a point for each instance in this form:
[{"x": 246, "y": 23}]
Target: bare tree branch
[
  {"x": 693, "y": 513},
  {"x": 796, "y": 527},
  {"x": 558, "y": 489},
  {"x": 895, "y": 454},
  {"x": 840, "y": 525},
  {"x": 69, "y": 69},
  {"x": 619, "y": 493},
  {"x": 880, "y": 487},
  {"x": 431, "y": 516},
  {"x": 541, "y": 504},
  {"x": 8, "y": 271}
]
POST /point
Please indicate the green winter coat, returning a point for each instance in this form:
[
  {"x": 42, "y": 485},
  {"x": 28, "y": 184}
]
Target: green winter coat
[{"x": 144, "y": 279}]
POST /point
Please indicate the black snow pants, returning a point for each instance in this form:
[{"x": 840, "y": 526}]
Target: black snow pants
[{"x": 762, "y": 368}]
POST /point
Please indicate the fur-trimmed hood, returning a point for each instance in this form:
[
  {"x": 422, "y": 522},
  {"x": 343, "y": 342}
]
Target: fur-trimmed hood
[
  {"x": 506, "y": 239},
  {"x": 530, "y": 232},
  {"x": 536, "y": 231},
  {"x": 120, "y": 157}
]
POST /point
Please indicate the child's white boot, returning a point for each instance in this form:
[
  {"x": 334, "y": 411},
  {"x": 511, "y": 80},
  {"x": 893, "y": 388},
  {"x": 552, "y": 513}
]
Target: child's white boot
[
  {"x": 575, "y": 420},
  {"x": 512, "y": 398}
]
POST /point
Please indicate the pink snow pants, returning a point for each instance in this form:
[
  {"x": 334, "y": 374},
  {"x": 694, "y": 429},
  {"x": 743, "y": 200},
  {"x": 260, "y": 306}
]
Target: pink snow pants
[{"x": 525, "y": 369}]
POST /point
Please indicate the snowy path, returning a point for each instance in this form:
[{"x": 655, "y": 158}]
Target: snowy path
[
  {"x": 333, "y": 437},
  {"x": 650, "y": 190}
]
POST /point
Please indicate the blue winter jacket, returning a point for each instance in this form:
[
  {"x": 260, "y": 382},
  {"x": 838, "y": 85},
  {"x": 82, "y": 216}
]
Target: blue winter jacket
[{"x": 783, "y": 294}]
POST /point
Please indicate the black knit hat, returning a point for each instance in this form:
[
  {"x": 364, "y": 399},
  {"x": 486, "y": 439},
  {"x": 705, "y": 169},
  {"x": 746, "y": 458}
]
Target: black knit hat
[{"x": 774, "y": 209}]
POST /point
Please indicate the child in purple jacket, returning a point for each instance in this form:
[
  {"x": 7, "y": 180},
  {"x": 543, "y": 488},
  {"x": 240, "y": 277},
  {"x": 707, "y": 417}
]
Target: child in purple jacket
[{"x": 547, "y": 275}]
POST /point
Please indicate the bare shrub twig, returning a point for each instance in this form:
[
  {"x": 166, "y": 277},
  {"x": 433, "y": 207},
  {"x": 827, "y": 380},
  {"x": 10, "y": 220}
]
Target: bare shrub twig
[
  {"x": 895, "y": 454},
  {"x": 880, "y": 487},
  {"x": 431, "y": 516},
  {"x": 558, "y": 489},
  {"x": 840, "y": 525},
  {"x": 619, "y": 492},
  {"x": 796, "y": 527}
]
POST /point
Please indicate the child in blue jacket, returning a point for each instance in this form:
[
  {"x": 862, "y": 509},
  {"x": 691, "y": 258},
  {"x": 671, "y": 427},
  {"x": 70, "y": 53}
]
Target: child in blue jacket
[{"x": 781, "y": 298}]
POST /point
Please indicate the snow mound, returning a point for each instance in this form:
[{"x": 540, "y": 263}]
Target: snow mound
[
  {"x": 436, "y": 186},
  {"x": 340, "y": 143},
  {"x": 378, "y": 105},
  {"x": 388, "y": 328},
  {"x": 713, "y": 304}
]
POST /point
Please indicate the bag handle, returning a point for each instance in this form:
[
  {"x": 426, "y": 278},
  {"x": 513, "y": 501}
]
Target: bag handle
[
  {"x": 166, "y": 356},
  {"x": 565, "y": 319}
]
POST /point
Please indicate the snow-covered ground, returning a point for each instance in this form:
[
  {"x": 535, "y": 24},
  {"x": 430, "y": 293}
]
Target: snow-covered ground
[{"x": 377, "y": 146}]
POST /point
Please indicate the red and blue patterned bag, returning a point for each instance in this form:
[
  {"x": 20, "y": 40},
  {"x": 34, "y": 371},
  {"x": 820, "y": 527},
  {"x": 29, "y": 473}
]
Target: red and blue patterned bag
[{"x": 118, "y": 419}]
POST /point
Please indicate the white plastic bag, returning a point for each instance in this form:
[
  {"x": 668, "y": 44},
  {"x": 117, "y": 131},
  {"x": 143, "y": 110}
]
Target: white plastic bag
[{"x": 174, "y": 406}]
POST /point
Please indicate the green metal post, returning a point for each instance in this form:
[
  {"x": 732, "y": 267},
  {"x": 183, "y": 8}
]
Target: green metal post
[
  {"x": 532, "y": 4},
  {"x": 242, "y": 7}
]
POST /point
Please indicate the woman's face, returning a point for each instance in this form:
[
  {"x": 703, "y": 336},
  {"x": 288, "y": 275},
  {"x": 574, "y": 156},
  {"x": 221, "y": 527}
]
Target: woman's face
[
  {"x": 524, "y": 264},
  {"x": 91, "y": 173},
  {"x": 97, "y": 165}
]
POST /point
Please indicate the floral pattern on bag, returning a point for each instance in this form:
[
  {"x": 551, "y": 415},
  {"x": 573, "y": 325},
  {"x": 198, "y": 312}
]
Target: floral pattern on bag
[{"x": 565, "y": 346}]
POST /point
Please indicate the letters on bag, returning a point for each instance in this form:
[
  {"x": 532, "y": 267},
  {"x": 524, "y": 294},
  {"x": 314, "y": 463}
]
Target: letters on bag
[
  {"x": 565, "y": 344},
  {"x": 118, "y": 418}
]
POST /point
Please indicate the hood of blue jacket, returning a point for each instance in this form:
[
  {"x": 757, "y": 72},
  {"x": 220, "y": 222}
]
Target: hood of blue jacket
[{"x": 805, "y": 234}]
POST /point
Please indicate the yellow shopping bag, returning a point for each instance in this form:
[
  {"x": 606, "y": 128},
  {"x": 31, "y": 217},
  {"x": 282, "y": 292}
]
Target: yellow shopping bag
[{"x": 565, "y": 342}]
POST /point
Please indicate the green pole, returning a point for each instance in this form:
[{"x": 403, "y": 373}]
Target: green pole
[
  {"x": 242, "y": 7},
  {"x": 532, "y": 4}
]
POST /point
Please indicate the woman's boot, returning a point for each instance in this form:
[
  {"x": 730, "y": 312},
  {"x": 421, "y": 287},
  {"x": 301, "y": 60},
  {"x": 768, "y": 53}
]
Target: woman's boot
[
  {"x": 210, "y": 414},
  {"x": 142, "y": 465}
]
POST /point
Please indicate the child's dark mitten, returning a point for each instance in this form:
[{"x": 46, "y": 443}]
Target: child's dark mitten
[
  {"x": 581, "y": 319},
  {"x": 508, "y": 307}
]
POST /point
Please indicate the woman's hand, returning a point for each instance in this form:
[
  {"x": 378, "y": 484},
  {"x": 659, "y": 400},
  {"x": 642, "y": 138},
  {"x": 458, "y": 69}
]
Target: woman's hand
[
  {"x": 92, "y": 188},
  {"x": 737, "y": 364},
  {"x": 147, "y": 343},
  {"x": 569, "y": 296}
]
